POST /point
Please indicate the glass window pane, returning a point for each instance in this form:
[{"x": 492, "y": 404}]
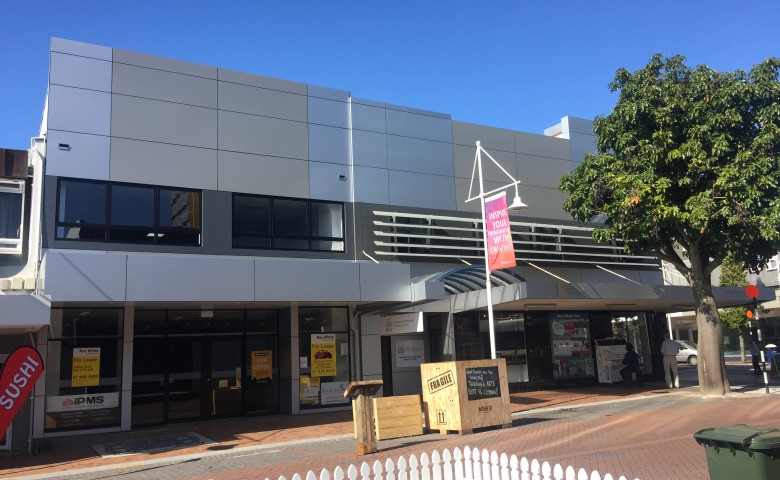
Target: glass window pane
[
  {"x": 80, "y": 323},
  {"x": 132, "y": 206},
  {"x": 10, "y": 215},
  {"x": 149, "y": 322},
  {"x": 291, "y": 243},
  {"x": 291, "y": 218},
  {"x": 323, "y": 319},
  {"x": 251, "y": 222},
  {"x": 262, "y": 321},
  {"x": 82, "y": 202},
  {"x": 327, "y": 245},
  {"x": 179, "y": 209},
  {"x": 327, "y": 220}
]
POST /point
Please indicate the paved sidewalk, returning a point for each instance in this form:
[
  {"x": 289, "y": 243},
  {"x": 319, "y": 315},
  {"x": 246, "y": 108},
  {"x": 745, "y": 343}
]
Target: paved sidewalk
[{"x": 310, "y": 434}]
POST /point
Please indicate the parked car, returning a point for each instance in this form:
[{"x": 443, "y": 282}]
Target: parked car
[{"x": 687, "y": 353}]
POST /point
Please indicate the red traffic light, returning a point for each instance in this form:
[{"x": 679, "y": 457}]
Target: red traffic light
[{"x": 751, "y": 291}]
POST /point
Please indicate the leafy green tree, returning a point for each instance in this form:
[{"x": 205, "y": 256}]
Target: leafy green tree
[
  {"x": 688, "y": 167},
  {"x": 732, "y": 274}
]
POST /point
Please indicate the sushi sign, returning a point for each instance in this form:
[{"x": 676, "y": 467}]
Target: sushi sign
[{"x": 20, "y": 372}]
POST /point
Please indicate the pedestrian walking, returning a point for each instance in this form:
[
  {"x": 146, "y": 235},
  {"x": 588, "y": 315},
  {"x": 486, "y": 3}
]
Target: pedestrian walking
[
  {"x": 756, "y": 353},
  {"x": 669, "y": 349}
]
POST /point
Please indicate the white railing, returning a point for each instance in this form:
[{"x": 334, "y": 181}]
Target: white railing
[{"x": 472, "y": 464}]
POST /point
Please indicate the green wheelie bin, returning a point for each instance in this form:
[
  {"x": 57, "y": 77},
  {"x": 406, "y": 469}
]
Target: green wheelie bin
[{"x": 741, "y": 451}]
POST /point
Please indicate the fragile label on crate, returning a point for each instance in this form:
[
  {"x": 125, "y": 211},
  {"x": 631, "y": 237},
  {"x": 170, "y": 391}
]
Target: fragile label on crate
[{"x": 444, "y": 380}]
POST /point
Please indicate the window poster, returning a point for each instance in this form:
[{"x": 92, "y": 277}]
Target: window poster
[
  {"x": 323, "y": 355},
  {"x": 85, "y": 371},
  {"x": 310, "y": 390},
  {"x": 262, "y": 365},
  {"x": 332, "y": 393},
  {"x": 570, "y": 334}
]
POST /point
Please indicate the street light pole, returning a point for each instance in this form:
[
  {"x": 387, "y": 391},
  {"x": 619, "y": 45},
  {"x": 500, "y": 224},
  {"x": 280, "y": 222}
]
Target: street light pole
[{"x": 517, "y": 204}]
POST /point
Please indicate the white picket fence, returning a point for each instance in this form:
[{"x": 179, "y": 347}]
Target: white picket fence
[{"x": 471, "y": 464}]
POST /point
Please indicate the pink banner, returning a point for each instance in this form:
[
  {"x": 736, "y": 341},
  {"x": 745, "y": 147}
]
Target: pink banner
[
  {"x": 501, "y": 252},
  {"x": 20, "y": 372}
]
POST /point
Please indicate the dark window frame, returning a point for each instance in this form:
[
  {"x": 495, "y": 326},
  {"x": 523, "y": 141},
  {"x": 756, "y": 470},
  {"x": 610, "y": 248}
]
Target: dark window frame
[
  {"x": 309, "y": 238},
  {"x": 103, "y": 230}
]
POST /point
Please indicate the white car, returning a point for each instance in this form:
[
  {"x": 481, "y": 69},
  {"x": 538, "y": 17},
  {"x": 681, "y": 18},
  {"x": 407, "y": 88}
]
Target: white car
[{"x": 687, "y": 353}]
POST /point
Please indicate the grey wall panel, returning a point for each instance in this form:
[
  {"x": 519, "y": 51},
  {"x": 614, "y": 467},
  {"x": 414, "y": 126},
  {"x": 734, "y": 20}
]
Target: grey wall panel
[
  {"x": 164, "y": 122},
  {"x": 162, "y": 63},
  {"x": 414, "y": 155},
  {"x": 85, "y": 277},
  {"x": 328, "y": 93},
  {"x": 492, "y": 138},
  {"x": 462, "y": 193},
  {"x": 371, "y": 185},
  {"x": 328, "y": 112},
  {"x": 464, "y": 163},
  {"x": 419, "y": 126},
  {"x": 580, "y": 125},
  {"x": 581, "y": 144},
  {"x": 264, "y": 136},
  {"x": 541, "y": 146},
  {"x": 138, "y": 161},
  {"x": 24, "y": 311},
  {"x": 385, "y": 282},
  {"x": 217, "y": 232},
  {"x": 328, "y": 144},
  {"x": 189, "y": 278},
  {"x": 162, "y": 85},
  {"x": 262, "y": 101},
  {"x": 422, "y": 190},
  {"x": 541, "y": 171},
  {"x": 543, "y": 202},
  {"x": 324, "y": 182},
  {"x": 81, "y": 72},
  {"x": 371, "y": 118},
  {"x": 79, "y": 110},
  {"x": 87, "y": 157},
  {"x": 264, "y": 175},
  {"x": 82, "y": 49},
  {"x": 369, "y": 149},
  {"x": 306, "y": 280},
  {"x": 262, "y": 82}
]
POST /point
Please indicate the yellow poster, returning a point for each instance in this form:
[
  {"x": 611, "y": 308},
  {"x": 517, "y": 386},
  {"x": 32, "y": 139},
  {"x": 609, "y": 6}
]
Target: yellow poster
[
  {"x": 323, "y": 354},
  {"x": 262, "y": 365},
  {"x": 85, "y": 371},
  {"x": 310, "y": 390}
]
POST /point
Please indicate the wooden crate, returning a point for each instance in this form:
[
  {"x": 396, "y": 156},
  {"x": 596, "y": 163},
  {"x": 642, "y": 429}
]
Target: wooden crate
[
  {"x": 396, "y": 417},
  {"x": 463, "y": 396}
]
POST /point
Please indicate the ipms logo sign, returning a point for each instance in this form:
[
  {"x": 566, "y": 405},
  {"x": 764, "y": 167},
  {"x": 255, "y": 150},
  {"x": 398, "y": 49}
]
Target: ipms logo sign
[
  {"x": 68, "y": 403},
  {"x": 21, "y": 370}
]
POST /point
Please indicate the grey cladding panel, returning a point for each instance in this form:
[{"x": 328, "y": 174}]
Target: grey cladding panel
[
  {"x": 543, "y": 202},
  {"x": 462, "y": 193},
  {"x": 85, "y": 277},
  {"x": 81, "y": 72},
  {"x": 419, "y": 126},
  {"x": 165, "y": 122},
  {"x": 87, "y": 157},
  {"x": 369, "y": 148},
  {"x": 263, "y": 175},
  {"x": 541, "y": 145},
  {"x": 369, "y": 118},
  {"x": 81, "y": 49},
  {"x": 422, "y": 190},
  {"x": 464, "y": 164},
  {"x": 328, "y": 112},
  {"x": 541, "y": 171},
  {"x": 371, "y": 185},
  {"x": 262, "y": 101},
  {"x": 263, "y": 136},
  {"x": 262, "y": 82},
  {"x": 328, "y": 144},
  {"x": 329, "y": 93},
  {"x": 325, "y": 184},
  {"x": 79, "y": 110},
  {"x": 492, "y": 138},
  {"x": 162, "y": 85},
  {"x": 173, "y": 165},
  {"x": 414, "y": 155},
  {"x": 162, "y": 63}
]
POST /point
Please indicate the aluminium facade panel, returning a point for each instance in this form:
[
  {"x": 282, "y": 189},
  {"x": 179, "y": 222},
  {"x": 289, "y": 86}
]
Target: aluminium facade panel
[
  {"x": 464, "y": 156},
  {"x": 85, "y": 277},
  {"x": 162, "y": 85},
  {"x": 262, "y": 101},
  {"x": 328, "y": 144},
  {"x": 306, "y": 280},
  {"x": 263, "y": 175},
  {"x": 371, "y": 185},
  {"x": 369, "y": 149},
  {"x": 325, "y": 182},
  {"x": 165, "y": 122},
  {"x": 87, "y": 156},
  {"x": 368, "y": 117},
  {"x": 541, "y": 171},
  {"x": 328, "y": 112},
  {"x": 421, "y": 190},
  {"x": 541, "y": 145},
  {"x": 81, "y": 72},
  {"x": 165, "y": 64},
  {"x": 262, "y": 81},
  {"x": 492, "y": 139},
  {"x": 263, "y": 136},
  {"x": 416, "y": 155},
  {"x": 81, "y": 49},
  {"x": 418, "y": 125},
  {"x": 79, "y": 110}
]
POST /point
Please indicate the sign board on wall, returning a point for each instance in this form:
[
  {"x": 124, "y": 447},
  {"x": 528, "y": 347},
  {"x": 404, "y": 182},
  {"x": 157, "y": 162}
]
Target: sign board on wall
[
  {"x": 570, "y": 334},
  {"x": 69, "y": 403},
  {"x": 323, "y": 355},
  {"x": 85, "y": 369},
  {"x": 401, "y": 323},
  {"x": 332, "y": 393},
  {"x": 409, "y": 353},
  {"x": 262, "y": 364}
]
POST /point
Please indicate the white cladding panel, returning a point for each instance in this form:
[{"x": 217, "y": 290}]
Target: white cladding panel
[
  {"x": 24, "y": 311},
  {"x": 325, "y": 184},
  {"x": 85, "y": 277},
  {"x": 82, "y": 49},
  {"x": 385, "y": 282},
  {"x": 80, "y": 72},
  {"x": 306, "y": 280},
  {"x": 85, "y": 156},
  {"x": 79, "y": 110}
]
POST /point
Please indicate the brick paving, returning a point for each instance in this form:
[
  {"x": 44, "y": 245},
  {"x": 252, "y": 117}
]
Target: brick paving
[{"x": 649, "y": 437}]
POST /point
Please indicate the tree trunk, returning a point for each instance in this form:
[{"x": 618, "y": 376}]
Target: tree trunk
[{"x": 713, "y": 379}]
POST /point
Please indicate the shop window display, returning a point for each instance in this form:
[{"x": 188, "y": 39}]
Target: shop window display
[{"x": 324, "y": 356}]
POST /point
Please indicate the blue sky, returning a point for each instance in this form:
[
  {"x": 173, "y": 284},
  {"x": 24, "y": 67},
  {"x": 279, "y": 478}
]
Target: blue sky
[{"x": 513, "y": 64}]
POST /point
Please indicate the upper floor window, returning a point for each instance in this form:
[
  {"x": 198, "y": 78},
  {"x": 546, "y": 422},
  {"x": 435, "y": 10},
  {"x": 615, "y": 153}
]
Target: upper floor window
[
  {"x": 11, "y": 214},
  {"x": 129, "y": 213},
  {"x": 287, "y": 224}
]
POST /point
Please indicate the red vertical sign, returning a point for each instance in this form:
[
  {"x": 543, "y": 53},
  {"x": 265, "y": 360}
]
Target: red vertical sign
[
  {"x": 20, "y": 372},
  {"x": 501, "y": 252}
]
